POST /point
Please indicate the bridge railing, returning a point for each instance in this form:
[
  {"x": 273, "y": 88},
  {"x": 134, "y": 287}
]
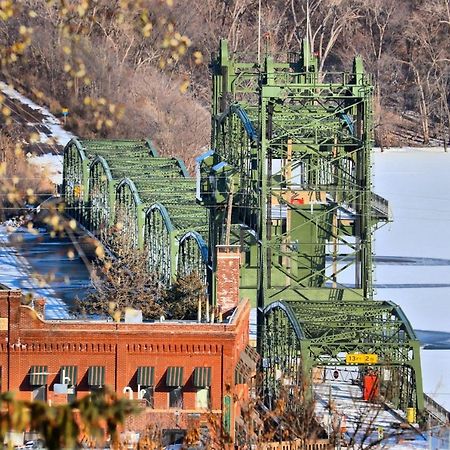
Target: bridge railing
[
  {"x": 380, "y": 207},
  {"x": 298, "y": 444},
  {"x": 436, "y": 410}
]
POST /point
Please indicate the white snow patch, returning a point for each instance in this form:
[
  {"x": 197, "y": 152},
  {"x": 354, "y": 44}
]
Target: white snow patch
[
  {"x": 360, "y": 420},
  {"x": 52, "y": 166},
  {"x": 57, "y": 132}
]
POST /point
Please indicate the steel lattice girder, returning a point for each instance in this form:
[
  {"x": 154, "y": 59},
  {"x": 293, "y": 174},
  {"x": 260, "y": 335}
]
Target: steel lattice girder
[
  {"x": 300, "y": 335},
  {"x": 301, "y": 133},
  {"x": 291, "y": 156},
  {"x": 125, "y": 188}
]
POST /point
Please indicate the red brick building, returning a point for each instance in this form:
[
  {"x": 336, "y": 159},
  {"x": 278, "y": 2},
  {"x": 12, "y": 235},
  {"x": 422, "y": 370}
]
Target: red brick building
[{"x": 180, "y": 370}]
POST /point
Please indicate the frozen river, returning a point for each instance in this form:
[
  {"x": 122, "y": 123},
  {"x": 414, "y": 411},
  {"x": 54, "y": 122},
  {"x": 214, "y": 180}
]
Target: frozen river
[
  {"x": 417, "y": 185},
  {"x": 43, "y": 266}
]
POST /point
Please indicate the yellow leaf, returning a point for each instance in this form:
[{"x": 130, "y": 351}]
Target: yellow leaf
[
  {"x": 147, "y": 29},
  {"x": 198, "y": 57},
  {"x": 54, "y": 221},
  {"x": 99, "y": 251},
  {"x": 184, "y": 86},
  {"x": 6, "y": 111},
  {"x": 34, "y": 138}
]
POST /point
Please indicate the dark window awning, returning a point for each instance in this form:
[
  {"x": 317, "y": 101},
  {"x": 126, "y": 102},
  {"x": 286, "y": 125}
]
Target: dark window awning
[
  {"x": 146, "y": 376},
  {"x": 202, "y": 377},
  {"x": 174, "y": 376},
  {"x": 38, "y": 375},
  {"x": 96, "y": 376},
  {"x": 68, "y": 375}
]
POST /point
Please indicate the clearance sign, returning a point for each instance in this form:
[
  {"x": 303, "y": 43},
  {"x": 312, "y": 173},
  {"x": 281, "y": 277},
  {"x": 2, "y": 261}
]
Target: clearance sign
[{"x": 361, "y": 358}]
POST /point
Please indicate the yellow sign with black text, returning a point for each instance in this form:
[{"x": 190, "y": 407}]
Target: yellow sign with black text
[{"x": 361, "y": 358}]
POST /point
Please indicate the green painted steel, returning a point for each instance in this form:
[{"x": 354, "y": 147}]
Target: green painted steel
[
  {"x": 289, "y": 180},
  {"x": 130, "y": 197},
  {"x": 300, "y": 335}
]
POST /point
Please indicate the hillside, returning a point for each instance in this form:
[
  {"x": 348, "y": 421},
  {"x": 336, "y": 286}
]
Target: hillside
[{"x": 140, "y": 68}]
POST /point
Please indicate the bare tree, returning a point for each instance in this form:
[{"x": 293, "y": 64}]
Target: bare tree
[{"x": 427, "y": 58}]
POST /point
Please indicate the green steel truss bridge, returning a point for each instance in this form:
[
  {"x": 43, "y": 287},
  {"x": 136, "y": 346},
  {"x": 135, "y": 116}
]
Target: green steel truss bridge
[
  {"x": 127, "y": 195},
  {"x": 287, "y": 183}
]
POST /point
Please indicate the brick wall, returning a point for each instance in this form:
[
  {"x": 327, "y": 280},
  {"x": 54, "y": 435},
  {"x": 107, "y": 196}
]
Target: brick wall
[
  {"x": 228, "y": 273},
  {"x": 28, "y": 340}
]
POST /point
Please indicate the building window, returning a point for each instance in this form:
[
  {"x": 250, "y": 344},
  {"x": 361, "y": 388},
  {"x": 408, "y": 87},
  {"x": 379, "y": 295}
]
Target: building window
[
  {"x": 145, "y": 377},
  {"x": 176, "y": 398},
  {"x": 68, "y": 375},
  {"x": 40, "y": 393},
  {"x": 202, "y": 399},
  {"x": 173, "y": 438},
  {"x": 147, "y": 395},
  {"x": 38, "y": 380},
  {"x": 202, "y": 381}
]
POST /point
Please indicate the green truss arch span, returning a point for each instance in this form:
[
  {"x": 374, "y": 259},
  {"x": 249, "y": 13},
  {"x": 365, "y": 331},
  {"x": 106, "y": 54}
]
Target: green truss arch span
[
  {"x": 301, "y": 335},
  {"x": 75, "y": 179},
  {"x": 101, "y": 199},
  {"x": 128, "y": 215},
  {"x": 160, "y": 243},
  {"x": 192, "y": 256}
]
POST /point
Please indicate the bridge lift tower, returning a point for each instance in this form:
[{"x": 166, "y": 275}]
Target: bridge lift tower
[{"x": 288, "y": 183}]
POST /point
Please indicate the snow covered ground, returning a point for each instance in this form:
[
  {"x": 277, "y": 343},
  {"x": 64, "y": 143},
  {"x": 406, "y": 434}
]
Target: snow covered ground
[
  {"x": 50, "y": 131},
  {"x": 361, "y": 422},
  {"x": 56, "y": 131}
]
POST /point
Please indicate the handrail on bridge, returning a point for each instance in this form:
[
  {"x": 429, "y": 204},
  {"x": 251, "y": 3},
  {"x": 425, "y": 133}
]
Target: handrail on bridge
[
  {"x": 437, "y": 410},
  {"x": 380, "y": 205}
]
